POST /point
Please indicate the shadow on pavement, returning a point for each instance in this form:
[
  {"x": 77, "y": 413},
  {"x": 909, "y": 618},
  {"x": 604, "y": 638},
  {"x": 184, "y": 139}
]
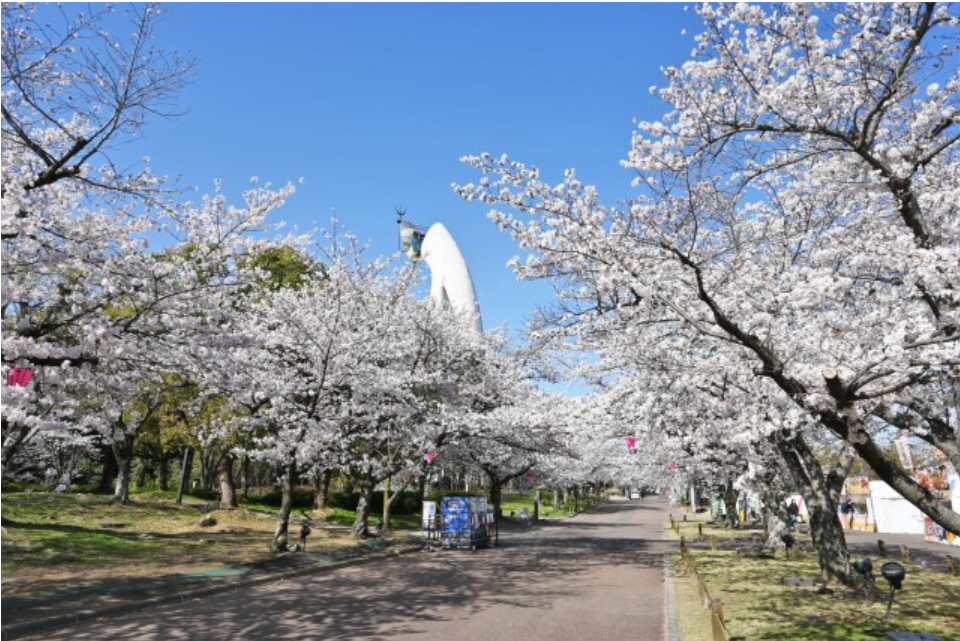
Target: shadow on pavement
[{"x": 383, "y": 600}]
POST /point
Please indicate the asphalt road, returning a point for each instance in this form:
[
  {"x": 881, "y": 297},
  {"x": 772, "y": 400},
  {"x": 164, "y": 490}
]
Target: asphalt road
[{"x": 596, "y": 576}]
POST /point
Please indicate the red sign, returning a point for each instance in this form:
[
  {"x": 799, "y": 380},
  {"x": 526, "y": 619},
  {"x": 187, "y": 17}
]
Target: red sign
[{"x": 19, "y": 376}]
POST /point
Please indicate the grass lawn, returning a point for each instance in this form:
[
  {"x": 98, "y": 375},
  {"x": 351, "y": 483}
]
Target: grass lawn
[
  {"x": 52, "y": 541},
  {"x": 515, "y": 501},
  {"x": 760, "y": 608}
]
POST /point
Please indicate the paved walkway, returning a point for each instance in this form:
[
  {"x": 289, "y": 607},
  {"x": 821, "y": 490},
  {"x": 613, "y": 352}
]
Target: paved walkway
[{"x": 596, "y": 576}]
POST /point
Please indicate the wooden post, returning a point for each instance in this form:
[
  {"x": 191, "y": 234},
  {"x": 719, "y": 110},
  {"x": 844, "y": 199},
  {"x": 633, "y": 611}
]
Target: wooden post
[
  {"x": 699, "y": 530},
  {"x": 683, "y": 545},
  {"x": 684, "y": 517},
  {"x": 705, "y": 599},
  {"x": 716, "y": 621},
  {"x": 953, "y": 566},
  {"x": 905, "y": 555},
  {"x": 881, "y": 548}
]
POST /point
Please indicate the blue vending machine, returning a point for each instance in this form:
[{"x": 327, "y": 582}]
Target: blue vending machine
[{"x": 463, "y": 522}]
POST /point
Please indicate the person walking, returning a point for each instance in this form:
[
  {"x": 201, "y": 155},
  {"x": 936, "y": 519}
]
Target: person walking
[{"x": 794, "y": 511}]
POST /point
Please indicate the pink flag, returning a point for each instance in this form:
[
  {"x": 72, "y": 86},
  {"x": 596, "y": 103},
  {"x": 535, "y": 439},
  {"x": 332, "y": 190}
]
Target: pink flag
[
  {"x": 428, "y": 457},
  {"x": 19, "y": 376}
]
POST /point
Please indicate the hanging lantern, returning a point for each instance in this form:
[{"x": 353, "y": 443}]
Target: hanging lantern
[{"x": 428, "y": 457}]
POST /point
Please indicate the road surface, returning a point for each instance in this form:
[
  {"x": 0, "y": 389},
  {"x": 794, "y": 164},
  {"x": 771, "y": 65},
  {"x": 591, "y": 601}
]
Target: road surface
[{"x": 596, "y": 576}]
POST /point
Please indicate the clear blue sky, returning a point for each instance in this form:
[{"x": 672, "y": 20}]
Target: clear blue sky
[{"x": 373, "y": 105}]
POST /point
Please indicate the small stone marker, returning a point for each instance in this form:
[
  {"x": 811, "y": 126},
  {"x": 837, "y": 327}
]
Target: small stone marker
[
  {"x": 905, "y": 555},
  {"x": 699, "y": 530},
  {"x": 799, "y": 581}
]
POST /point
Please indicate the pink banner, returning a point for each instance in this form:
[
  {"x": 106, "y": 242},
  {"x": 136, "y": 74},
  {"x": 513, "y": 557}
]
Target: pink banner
[{"x": 19, "y": 376}]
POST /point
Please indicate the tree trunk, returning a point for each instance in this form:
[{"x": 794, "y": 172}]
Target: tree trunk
[
  {"x": 732, "y": 519},
  {"x": 496, "y": 495},
  {"x": 775, "y": 514},
  {"x": 321, "y": 499},
  {"x": 12, "y": 441},
  {"x": 556, "y": 498},
  {"x": 108, "y": 474},
  {"x": 163, "y": 472},
  {"x": 422, "y": 487},
  {"x": 387, "y": 501},
  {"x": 825, "y": 527},
  {"x": 124, "y": 457},
  {"x": 360, "y": 530},
  {"x": 141, "y": 473},
  {"x": 186, "y": 470},
  {"x": 228, "y": 493},
  {"x": 280, "y": 535},
  {"x": 245, "y": 478},
  {"x": 209, "y": 468}
]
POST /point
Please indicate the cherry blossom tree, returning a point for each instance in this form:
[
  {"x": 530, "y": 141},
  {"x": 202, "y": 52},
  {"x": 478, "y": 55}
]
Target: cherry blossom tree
[
  {"x": 795, "y": 231},
  {"x": 107, "y": 281}
]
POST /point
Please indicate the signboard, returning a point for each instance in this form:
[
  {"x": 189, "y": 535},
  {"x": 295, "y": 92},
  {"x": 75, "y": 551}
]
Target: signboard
[{"x": 429, "y": 515}]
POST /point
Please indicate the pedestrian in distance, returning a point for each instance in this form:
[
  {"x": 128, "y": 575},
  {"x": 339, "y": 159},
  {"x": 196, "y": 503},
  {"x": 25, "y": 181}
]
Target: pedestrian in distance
[
  {"x": 846, "y": 509},
  {"x": 304, "y": 533},
  {"x": 794, "y": 511}
]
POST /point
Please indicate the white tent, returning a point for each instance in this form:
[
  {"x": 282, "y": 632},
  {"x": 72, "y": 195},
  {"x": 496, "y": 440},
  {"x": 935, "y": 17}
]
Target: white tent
[{"x": 892, "y": 513}]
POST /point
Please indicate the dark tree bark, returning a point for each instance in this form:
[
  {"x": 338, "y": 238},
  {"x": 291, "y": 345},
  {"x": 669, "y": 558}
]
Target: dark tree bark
[
  {"x": 109, "y": 471},
  {"x": 321, "y": 498},
  {"x": 209, "y": 468},
  {"x": 228, "y": 493},
  {"x": 141, "y": 473},
  {"x": 422, "y": 487},
  {"x": 163, "y": 472},
  {"x": 496, "y": 496},
  {"x": 732, "y": 519},
  {"x": 245, "y": 478},
  {"x": 822, "y": 492}
]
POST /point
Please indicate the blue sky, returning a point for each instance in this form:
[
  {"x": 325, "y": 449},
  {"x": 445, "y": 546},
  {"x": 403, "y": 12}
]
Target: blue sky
[{"x": 374, "y": 104}]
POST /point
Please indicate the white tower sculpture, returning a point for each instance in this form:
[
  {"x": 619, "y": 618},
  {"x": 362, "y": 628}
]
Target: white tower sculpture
[{"x": 450, "y": 281}]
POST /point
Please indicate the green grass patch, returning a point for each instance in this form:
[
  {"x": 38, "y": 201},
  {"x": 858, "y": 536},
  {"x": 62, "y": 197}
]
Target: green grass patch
[
  {"x": 52, "y": 541},
  {"x": 761, "y": 608},
  {"x": 515, "y": 501}
]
